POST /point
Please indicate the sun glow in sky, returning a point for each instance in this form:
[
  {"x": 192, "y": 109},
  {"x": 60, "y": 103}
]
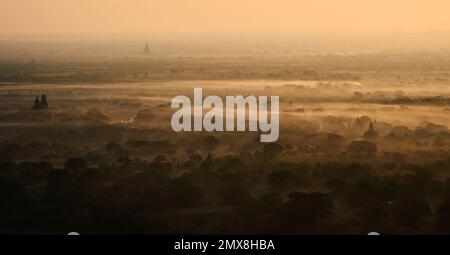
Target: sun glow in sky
[{"x": 174, "y": 16}]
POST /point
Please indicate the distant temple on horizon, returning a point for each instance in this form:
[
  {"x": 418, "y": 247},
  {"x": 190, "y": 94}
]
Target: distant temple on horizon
[
  {"x": 146, "y": 49},
  {"x": 40, "y": 105}
]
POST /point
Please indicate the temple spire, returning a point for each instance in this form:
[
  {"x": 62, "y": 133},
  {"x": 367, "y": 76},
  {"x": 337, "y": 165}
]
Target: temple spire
[
  {"x": 44, "y": 103},
  {"x": 146, "y": 49},
  {"x": 36, "y": 104},
  {"x": 371, "y": 132}
]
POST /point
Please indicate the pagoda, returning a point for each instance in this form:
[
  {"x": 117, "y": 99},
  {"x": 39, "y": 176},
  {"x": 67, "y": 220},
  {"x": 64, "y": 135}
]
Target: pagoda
[
  {"x": 146, "y": 49},
  {"x": 371, "y": 132},
  {"x": 40, "y": 105}
]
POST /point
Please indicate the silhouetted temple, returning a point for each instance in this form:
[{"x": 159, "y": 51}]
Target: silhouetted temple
[
  {"x": 40, "y": 105},
  {"x": 36, "y": 104},
  {"x": 371, "y": 132},
  {"x": 44, "y": 103},
  {"x": 146, "y": 49}
]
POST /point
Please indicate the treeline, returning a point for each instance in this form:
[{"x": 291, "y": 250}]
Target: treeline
[{"x": 250, "y": 193}]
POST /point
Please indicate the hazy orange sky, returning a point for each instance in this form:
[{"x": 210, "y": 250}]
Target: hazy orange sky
[{"x": 174, "y": 16}]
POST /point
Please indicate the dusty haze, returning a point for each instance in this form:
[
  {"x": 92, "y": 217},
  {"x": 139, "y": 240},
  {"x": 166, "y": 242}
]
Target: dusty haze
[
  {"x": 150, "y": 16},
  {"x": 86, "y": 143}
]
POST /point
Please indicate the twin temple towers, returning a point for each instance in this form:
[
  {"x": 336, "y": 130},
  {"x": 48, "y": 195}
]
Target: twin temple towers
[{"x": 40, "y": 105}]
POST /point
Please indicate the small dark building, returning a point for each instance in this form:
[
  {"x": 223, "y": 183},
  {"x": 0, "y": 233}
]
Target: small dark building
[
  {"x": 36, "y": 104},
  {"x": 146, "y": 50},
  {"x": 371, "y": 132},
  {"x": 44, "y": 103},
  {"x": 40, "y": 105}
]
